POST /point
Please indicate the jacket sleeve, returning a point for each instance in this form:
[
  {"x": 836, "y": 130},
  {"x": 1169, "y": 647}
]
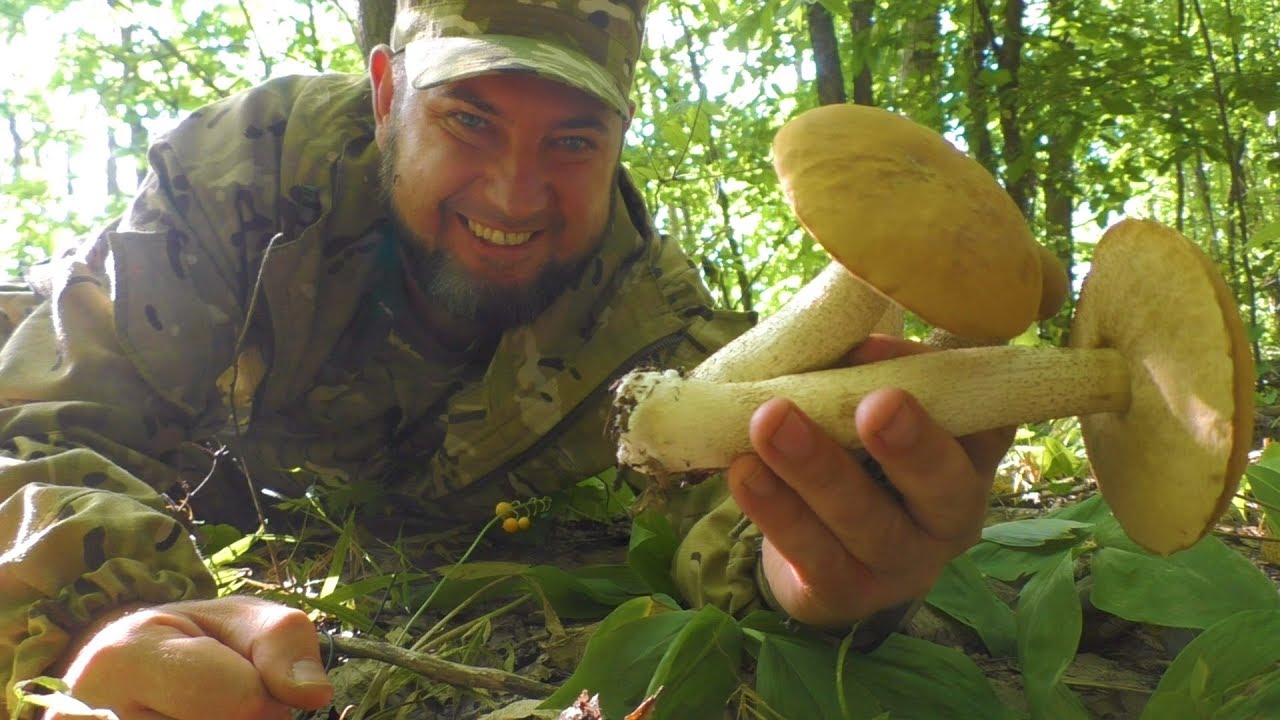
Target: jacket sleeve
[
  {"x": 82, "y": 525},
  {"x": 104, "y": 385}
]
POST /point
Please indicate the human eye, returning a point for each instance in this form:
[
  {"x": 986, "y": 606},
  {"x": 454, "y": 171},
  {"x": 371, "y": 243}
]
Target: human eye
[
  {"x": 575, "y": 143},
  {"x": 468, "y": 120}
]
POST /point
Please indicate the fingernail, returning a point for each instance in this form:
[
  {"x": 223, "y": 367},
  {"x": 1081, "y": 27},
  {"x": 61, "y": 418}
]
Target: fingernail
[
  {"x": 902, "y": 429},
  {"x": 309, "y": 672},
  {"x": 792, "y": 438}
]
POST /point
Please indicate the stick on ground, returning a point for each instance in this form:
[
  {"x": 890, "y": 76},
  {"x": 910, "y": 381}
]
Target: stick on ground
[{"x": 434, "y": 668}]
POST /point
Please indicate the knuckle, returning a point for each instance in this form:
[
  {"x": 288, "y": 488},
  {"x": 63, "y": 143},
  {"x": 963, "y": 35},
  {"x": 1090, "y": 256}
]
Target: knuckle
[{"x": 282, "y": 619}]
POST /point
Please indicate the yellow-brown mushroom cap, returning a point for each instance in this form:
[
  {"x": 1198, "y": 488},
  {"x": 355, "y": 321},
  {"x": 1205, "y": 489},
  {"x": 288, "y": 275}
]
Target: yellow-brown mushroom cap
[
  {"x": 1169, "y": 464},
  {"x": 913, "y": 217}
]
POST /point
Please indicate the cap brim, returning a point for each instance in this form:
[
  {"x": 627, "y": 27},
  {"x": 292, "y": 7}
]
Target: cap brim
[{"x": 431, "y": 62}]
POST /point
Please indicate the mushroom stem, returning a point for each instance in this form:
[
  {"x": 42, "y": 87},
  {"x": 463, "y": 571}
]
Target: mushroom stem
[
  {"x": 822, "y": 322},
  {"x": 669, "y": 424}
]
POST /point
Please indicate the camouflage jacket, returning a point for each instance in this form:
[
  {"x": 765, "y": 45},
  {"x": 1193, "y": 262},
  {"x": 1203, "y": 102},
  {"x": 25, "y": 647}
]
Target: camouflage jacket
[{"x": 251, "y": 296}]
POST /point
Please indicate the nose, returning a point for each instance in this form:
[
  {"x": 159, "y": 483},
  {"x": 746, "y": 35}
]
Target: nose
[{"x": 519, "y": 185}]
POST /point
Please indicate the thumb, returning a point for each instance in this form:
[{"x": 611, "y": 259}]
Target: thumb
[{"x": 281, "y": 643}]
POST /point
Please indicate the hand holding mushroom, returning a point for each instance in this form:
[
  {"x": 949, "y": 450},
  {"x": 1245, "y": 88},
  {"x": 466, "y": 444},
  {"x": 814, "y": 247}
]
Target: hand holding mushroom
[{"x": 1160, "y": 371}]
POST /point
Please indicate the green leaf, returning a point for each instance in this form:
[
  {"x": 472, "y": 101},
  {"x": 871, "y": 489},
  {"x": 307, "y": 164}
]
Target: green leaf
[
  {"x": 1266, "y": 235},
  {"x": 1195, "y": 588},
  {"x": 1255, "y": 699},
  {"x": 963, "y": 593},
  {"x": 1049, "y": 622},
  {"x": 652, "y": 549},
  {"x": 1230, "y": 667},
  {"x": 918, "y": 679},
  {"x": 837, "y": 8},
  {"x": 1092, "y": 510},
  {"x": 1264, "y": 483},
  {"x": 699, "y": 670},
  {"x": 1009, "y": 564},
  {"x": 1036, "y": 533},
  {"x": 797, "y": 679},
  {"x": 590, "y": 596},
  {"x": 622, "y": 655}
]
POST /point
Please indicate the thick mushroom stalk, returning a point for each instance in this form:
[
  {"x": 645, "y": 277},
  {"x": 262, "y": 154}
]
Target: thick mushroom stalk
[
  {"x": 679, "y": 424},
  {"x": 1160, "y": 372},
  {"x": 818, "y": 325}
]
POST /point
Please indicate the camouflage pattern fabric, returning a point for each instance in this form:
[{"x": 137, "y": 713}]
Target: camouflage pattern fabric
[
  {"x": 250, "y": 295},
  {"x": 589, "y": 44}
]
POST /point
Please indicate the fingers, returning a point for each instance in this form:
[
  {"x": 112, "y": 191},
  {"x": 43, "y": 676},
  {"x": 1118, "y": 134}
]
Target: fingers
[
  {"x": 835, "y": 527},
  {"x": 838, "y": 543},
  {"x": 827, "y": 480},
  {"x": 278, "y": 641},
  {"x": 157, "y": 663},
  {"x": 943, "y": 493}
]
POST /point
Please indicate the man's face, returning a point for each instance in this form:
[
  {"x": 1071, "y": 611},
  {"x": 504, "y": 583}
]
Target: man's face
[{"x": 501, "y": 187}]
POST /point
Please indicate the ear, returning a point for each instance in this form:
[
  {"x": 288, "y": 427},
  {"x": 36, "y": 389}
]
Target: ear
[{"x": 382, "y": 79}]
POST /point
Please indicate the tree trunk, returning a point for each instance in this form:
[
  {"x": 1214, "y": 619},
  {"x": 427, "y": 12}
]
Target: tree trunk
[
  {"x": 860, "y": 24},
  {"x": 826, "y": 56},
  {"x": 919, "y": 75},
  {"x": 1019, "y": 178},
  {"x": 976, "y": 132},
  {"x": 374, "y": 19}
]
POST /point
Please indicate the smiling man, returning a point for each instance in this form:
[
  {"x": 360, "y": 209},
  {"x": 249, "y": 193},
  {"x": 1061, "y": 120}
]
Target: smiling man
[{"x": 423, "y": 281}]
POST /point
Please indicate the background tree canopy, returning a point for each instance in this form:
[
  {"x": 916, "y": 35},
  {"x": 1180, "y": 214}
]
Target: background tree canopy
[{"x": 1083, "y": 109}]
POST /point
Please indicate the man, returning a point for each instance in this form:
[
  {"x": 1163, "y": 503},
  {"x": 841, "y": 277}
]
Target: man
[{"x": 427, "y": 280}]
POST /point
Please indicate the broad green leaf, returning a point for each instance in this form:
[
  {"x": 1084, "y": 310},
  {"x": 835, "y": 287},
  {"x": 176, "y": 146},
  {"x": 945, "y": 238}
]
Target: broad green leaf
[
  {"x": 652, "y": 548},
  {"x": 797, "y": 679},
  {"x": 699, "y": 670},
  {"x": 571, "y": 596},
  {"x": 1253, "y": 699},
  {"x": 1091, "y": 510},
  {"x": 963, "y": 593},
  {"x": 1012, "y": 564},
  {"x": 1264, "y": 483},
  {"x": 1195, "y": 588},
  {"x": 1036, "y": 533},
  {"x": 1049, "y": 622},
  {"x": 622, "y": 654},
  {"x": 1224, "y": 671},
  {"x": 914, "y": 678}
]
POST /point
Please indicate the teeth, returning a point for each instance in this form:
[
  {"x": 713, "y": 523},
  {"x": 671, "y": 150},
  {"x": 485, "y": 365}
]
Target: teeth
[{"x": 497, "y": 237}]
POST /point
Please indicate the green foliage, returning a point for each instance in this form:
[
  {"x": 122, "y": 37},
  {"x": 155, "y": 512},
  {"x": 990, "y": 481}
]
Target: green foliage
[{"x": 1232, "y": 670}]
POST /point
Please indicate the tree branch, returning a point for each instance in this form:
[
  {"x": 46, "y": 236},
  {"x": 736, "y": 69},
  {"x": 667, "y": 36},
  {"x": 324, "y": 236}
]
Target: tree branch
[{"x": 440, "y": 670}]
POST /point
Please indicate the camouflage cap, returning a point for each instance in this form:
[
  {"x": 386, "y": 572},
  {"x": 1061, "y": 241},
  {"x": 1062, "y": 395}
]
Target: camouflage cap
[{"x": 592, "y": 45}]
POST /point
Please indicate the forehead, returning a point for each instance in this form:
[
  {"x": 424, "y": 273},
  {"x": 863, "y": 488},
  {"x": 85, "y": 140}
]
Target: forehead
[{"x": 518, "y": 94}]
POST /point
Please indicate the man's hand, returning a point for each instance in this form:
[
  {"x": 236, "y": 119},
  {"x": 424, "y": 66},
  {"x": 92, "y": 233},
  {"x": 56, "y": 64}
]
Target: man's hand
[
  {"x": 839, "y": 546},
  {"x": 233, "y": 658}
]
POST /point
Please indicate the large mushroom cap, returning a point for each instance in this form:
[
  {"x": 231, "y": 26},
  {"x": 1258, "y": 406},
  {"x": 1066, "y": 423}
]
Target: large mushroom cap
[
  {"x": 911, "y": 215},
  {"x": 1169, "y": 465}
]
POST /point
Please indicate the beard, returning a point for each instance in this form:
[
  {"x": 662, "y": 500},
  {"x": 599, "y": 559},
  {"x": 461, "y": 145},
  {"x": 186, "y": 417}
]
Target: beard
[{"x": 446, "y": 283}]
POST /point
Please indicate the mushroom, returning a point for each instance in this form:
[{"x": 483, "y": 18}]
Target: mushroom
[
  {"x": 906, "y": 216},
  {"x": 1053, "y": 293},
  {"x": 1159, "y": 368}
]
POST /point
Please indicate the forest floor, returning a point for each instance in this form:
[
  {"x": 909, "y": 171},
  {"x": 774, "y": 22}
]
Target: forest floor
[{"x": 1118, "y": 664}]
